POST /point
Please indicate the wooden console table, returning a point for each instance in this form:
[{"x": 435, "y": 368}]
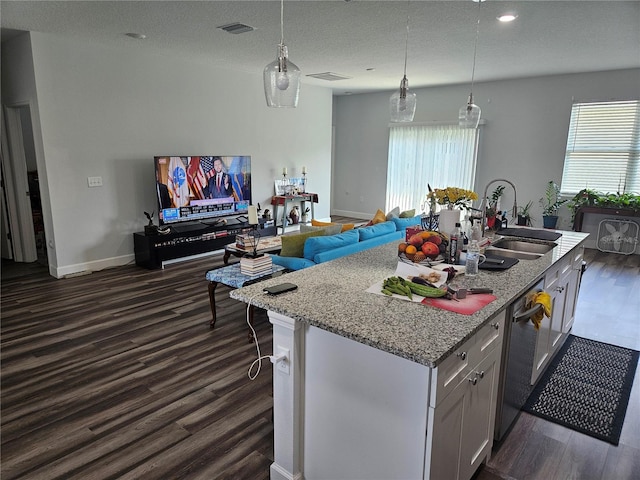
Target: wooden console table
[
  {"x": 286, "y": 200},
  {"x": 613, "y": 211}
]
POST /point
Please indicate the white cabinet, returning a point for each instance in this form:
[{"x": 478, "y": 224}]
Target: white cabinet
[
  {"x": 462, "y": 410},
  {"x": 561, "y": 283}
]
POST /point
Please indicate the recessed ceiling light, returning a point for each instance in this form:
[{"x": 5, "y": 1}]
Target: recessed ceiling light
[
  {"x": 137, "y": 36},
  {"x": 507, "y": 17}
]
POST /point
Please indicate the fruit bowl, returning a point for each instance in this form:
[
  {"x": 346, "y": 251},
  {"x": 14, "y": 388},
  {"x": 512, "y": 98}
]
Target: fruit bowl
[
  {"x": 423, "y": 248},
  {"x": 427, "y": 262}
]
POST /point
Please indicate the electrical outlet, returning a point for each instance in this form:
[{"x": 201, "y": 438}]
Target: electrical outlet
[
  {"x": 94, "y": 181},
  {"x": 283, "y": 365}
]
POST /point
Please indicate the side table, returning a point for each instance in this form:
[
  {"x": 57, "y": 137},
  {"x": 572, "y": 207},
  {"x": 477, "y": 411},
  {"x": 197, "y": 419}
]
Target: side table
[
  {"x": 285, "y": 201},
  {"x": 231, "y": 276}
]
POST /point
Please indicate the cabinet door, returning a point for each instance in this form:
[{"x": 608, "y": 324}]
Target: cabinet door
[
  {"x": 478, "y": 416},
  {"x": 444, "y": 442},
  {"x": 572, "y": 290}
]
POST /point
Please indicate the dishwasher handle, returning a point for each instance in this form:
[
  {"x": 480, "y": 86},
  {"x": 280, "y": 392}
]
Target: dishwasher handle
[{"x": 527, "y": 314}]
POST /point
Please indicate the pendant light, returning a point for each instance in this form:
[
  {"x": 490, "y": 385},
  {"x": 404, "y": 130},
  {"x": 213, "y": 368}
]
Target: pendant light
[
  {"x": 469, "y": 114},
  {"x": 402, "y": 104},
  {"x": 281, "y": 77}
]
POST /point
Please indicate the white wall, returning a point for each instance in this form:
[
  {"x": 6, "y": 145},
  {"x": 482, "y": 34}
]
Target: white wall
[
  {"x": 107, "y": 111},
  {"x": 524, "y": 138}
]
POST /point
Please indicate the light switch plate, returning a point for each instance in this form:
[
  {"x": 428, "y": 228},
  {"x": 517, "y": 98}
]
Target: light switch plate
[{"x": 94, "y": 181}]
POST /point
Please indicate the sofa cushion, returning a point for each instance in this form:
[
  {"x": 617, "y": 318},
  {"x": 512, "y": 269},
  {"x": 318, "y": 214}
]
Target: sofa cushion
[
  {"x": 293, "y": 245},
  {"x": 292, "y": 263},
  {"x": 403, "y": 223},
  {"x": 328, "y": 230},
  {"x": 408, "y": 213},
  {"x": 317, "y": 245},
  {"x": 376, "y": 230}
]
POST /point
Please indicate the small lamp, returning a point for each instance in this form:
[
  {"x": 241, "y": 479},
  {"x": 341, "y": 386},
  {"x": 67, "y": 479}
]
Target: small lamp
[
  {"x": 281, "y": 77},
  {"x": 469, "y": 114},
  {"x": 402, "y": 104}
]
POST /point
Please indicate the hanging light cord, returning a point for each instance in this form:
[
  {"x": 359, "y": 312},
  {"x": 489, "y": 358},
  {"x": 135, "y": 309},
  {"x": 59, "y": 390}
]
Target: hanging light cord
[
  {"x": 475, "y": 47},
  {"x": 406, "y": 41},
  {"x": 281, "y": 22}
]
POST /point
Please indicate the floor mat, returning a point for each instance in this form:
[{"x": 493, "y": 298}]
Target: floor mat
[{"x": 586, "y": 388}]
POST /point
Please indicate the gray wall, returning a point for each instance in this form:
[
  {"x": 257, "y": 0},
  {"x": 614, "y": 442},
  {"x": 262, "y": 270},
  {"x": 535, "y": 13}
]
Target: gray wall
[
  {"x": 107, "y": 111},
  {"x": 524, "y": 139}
]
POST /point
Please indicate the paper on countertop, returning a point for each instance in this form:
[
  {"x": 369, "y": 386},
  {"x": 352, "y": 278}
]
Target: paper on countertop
[
  {"x": 442, "y": 266},
  {"x": 405, "y": 270}
]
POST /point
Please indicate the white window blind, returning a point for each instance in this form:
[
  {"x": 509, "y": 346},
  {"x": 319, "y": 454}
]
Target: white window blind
[
  {"x": 603, "y": 148},
  {"x": 439, "y": 155}
]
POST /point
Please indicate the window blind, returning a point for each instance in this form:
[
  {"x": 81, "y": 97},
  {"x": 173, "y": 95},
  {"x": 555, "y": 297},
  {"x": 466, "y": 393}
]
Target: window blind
[
  {"x": 603, "y": 148},
  {"x": 439, "y": 155}
]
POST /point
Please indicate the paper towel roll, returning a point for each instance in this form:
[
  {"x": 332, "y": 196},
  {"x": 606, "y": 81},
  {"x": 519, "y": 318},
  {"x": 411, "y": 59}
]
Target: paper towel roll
[{"x": 253, "y": 215}]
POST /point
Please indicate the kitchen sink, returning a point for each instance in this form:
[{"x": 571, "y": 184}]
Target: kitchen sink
[{"x": 521, "y": 249}]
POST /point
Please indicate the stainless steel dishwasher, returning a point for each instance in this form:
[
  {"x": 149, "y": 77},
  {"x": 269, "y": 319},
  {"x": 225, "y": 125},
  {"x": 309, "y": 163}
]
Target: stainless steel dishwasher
[{"x": 517, "y": 363}]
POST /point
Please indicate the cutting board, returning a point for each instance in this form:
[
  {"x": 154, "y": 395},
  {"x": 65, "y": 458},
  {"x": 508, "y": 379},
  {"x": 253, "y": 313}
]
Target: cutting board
[
  {"x": 508, "y": 263},
  {"x": 466, "y": 306}
]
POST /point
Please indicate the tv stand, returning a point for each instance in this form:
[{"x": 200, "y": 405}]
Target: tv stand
[{"x": 152, "y": 251}]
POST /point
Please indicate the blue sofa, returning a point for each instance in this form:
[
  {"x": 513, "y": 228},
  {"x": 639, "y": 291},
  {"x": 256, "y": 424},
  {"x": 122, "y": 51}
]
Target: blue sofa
[{"x": 319, "y": 249}]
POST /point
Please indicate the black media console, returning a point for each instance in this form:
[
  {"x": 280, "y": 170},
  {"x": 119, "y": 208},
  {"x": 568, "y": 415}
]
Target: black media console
[{"x": 189, "y": 239}]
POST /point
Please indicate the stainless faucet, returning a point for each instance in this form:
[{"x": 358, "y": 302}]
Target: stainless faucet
[{"x": 483, "y": 205}]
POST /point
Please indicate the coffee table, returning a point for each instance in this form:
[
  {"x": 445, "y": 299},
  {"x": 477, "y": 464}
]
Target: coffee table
[
  {"x": 265, "y": 245},
  {"x": 231, "y": 276}
]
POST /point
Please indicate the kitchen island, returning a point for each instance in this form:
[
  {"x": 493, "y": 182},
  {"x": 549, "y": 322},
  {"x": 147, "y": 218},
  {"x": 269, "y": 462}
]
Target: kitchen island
[{"x": 371, "y": 382}]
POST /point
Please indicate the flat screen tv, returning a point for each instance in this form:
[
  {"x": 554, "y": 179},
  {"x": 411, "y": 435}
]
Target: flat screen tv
[{"x": 192, "y": 189}]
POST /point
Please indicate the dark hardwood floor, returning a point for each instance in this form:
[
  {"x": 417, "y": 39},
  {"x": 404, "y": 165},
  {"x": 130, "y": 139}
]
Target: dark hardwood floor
[{"x": 117, "y": 375}]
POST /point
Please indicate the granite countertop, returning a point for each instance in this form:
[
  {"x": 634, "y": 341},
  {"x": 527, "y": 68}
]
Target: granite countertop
[{"x": 332, "y": 296}]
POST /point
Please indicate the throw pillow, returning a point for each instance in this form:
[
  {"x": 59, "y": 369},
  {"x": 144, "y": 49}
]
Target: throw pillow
[
  {"x": 343, "y": 227},
  {"x": 393, "y": 213},
  {"x": 379, "y": 217},
  {"x": 408, "y": 213},
  {"x": 328, "y": 230},
  {"x": 293, "y": 245}
]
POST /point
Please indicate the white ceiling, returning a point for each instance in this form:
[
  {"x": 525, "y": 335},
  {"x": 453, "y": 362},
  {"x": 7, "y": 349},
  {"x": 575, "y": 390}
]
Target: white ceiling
[{"x": 351, "y": 37}]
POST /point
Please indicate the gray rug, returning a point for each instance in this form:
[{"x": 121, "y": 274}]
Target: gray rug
[{"x": 586, "y": 388}]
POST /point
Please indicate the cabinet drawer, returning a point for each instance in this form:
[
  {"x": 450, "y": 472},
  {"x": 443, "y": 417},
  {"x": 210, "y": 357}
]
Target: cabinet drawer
[
  {"x": 489, "y": 336},
  {"x": 451, "y": 372},
  {"x": 455, "y": 368}
]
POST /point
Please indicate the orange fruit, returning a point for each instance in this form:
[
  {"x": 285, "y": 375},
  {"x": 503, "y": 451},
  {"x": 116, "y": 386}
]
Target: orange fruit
[
  {"x": 402, "y": 247},
  {"x": 410, "y": 250}
]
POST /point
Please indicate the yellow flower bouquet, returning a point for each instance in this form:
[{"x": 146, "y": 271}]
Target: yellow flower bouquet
[{"x": 452, "y": 197}]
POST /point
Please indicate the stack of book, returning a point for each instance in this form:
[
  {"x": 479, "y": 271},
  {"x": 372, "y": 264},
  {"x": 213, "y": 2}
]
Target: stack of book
[
  {"x": 255, "y": 266},
  {"x": 245, "y": 242}
]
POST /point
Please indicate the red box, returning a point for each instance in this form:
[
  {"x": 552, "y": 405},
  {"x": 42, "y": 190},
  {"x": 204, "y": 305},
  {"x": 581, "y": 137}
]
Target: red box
[{"x": 411, "y": 231}]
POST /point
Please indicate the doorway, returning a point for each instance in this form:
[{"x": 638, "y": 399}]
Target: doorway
[{"x": 23, "y": 235}]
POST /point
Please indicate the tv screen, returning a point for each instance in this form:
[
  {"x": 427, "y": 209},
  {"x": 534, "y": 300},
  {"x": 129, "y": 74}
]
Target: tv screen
[{"x": 197, "y": 188}]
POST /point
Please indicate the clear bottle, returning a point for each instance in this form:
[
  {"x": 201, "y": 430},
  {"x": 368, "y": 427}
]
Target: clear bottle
[
  {"x": 472, "y": 259},
  {"x": 475, "y": 232},
  {"x": 455, "y": 244}
]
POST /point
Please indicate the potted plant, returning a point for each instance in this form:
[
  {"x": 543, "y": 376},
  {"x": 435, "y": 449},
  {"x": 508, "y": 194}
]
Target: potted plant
[
  {"x": 550, "y": 203},
  {"x": 493, "y": 205},
  {"x": 524, "y": 214}
]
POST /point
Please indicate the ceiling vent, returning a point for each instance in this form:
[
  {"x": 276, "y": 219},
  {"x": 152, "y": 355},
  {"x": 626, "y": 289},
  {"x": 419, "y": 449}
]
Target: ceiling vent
[
  {"x": 236, "y": 28},
  {"x": 329, "y": 76}
]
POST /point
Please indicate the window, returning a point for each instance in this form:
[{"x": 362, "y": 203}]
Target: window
[
  {"x": 439, "y": 155},
  {"x": 603, "y": 148}
]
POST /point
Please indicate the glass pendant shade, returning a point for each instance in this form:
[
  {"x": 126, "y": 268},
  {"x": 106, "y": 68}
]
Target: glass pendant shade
[
  {"x": 402, "y": 104},
  {"x": 469, "y": 114},
  {"x": 281, "y": 80}
]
